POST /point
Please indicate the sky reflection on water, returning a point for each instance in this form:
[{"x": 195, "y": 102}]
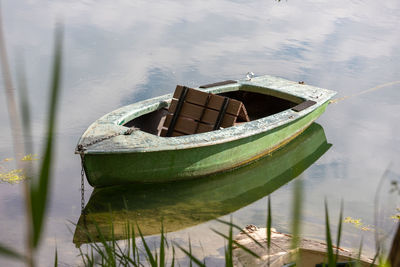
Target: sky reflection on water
[{"x": 124, "y": 51}]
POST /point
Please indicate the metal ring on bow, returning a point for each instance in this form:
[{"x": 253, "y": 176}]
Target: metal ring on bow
[{"x": 250, "y": 75}]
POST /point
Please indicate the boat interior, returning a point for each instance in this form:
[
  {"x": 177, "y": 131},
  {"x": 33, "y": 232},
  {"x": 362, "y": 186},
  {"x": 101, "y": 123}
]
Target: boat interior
[{"x": 257, "y": 105}]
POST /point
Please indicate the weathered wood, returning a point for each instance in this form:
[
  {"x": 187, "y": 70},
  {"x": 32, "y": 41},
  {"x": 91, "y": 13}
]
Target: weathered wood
[
  {"x": 183, "y": 124},
  {"x": 201, "y": 112},
  {"x": 196, "y": 112},
  {"x": 233, "y": 108},
  {"x": 221, "y": 114},
  {"x": 174, "y": 134},
  {"x": 243, "y": 116},
  {"x": 218, "y": 84},
  {"x": 215, "y": 102},
  {"x": 303, "y": 105},
  {"x": 309, "y": 252},
  {"x": 179, "y": 105},
  {"x": 193, "y": 96},
  {"x": 189, "y": 110},
  {"x": 209, "y": 117},
  {"x": 203, "y": 128},
  {"x": 187, "y": 125}
]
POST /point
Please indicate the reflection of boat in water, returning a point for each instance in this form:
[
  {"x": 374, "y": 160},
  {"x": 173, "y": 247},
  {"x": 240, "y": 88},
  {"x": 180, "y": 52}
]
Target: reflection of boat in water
[{"x": 187, "y": 203}]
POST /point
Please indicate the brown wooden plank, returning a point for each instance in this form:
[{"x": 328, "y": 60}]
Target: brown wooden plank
[
  {"x": 178, "y": 91},
  {"x": 193, "y": 111},
  {"x": 189, "y": 126},
  {"x": 200, "y": 98},
  {"x": 218, "y": 84},
  {"x": 183, "y": 124},
  {"x": 193, "y": 96},
  {"x": 215, "y": 102},
  {"x": 303, "y": 105},
  {"x": 174, "y": 134},
  {"x": 203, "y": 128},
  {"x": 210, "y": 116},
  {"x": 188, "y": 110},
  {"x": 163, "y": 132},
  {"x": 243, "y": 116},
  {"x": 233, "y": 106},
  {"x": 228, "y": 121}
]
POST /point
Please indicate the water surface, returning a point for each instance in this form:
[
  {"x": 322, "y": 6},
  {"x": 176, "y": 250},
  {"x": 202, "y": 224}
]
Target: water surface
[{"x": 120, "y": 52}]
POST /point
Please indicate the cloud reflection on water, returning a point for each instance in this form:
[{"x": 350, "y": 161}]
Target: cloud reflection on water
[{"x": 121, "y": 51}]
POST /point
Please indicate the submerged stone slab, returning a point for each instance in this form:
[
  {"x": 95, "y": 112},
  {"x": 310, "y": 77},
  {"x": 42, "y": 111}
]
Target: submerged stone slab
[{"x": 309, "y": 252}]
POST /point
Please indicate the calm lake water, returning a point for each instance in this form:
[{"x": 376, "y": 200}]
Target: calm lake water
[{"x": 119, "y": 52}]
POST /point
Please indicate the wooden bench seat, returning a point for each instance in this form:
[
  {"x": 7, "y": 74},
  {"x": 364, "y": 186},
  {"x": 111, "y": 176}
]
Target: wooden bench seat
[{"x": 194, "y": 111}]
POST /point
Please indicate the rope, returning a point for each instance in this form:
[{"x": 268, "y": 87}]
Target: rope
[{"x": 334, "y": 101}]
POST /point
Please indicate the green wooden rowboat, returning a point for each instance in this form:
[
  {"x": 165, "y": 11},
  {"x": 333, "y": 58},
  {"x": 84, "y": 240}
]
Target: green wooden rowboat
[
  {"x": 187, "y": 203},
  {"x": 123, "y": 146}
]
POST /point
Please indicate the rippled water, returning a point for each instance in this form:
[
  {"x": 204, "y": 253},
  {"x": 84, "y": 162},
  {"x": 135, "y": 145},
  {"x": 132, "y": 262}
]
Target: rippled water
[{"x": 120, "y": 52}]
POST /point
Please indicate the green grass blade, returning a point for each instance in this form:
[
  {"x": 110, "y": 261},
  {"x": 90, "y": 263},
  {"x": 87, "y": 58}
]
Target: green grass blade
[
  {"x": 374, "y": 259},
  {"x": 128, "y": 236},
  {"x": 339, "y": 232},
  {"x": 120, "y": 254},
  {"x": 162, "y": 249},
  {"x": 24, "y": 107},
  {"x": 229, "y": 258},
  {"x": 331, "y": 259},
  {"x": 108, "y": 256},
  {"x": 173, "y": 257},
  {"x": 240, "y": 229},
  {"x": 82, "y": 256},
  {"x": 191, "y": 257},
  {"x": 135, "y": 250},
  {"x": 236, "y": 243},
  {"x": 56, "y": 258},
  {"x": 297, "y": 206},
  {"x": 394, "y": 254},
  {"x": 269, "y": 223},
  {"x": 190, "y": 251},
  {"x": 226, "y": 255},
  {"x": 146, "y": 247},
  {"x": 11, "y": 253},
  {"x": 39, "y": 191},
  {"x": 358, "y": 261}
]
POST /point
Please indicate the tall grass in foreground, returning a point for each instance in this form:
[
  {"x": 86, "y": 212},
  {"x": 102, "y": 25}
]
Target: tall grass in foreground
[
  {"x": 37, "y": 185},
  {"x": 110, "y": 253}
]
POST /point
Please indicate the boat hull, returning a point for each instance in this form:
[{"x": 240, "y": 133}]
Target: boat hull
[
  {"x": 179, "y": 205},
  {"x": 108, "y": 169}
]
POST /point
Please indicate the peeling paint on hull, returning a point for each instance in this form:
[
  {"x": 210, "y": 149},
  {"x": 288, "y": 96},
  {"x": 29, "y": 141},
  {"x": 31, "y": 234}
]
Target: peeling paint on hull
[{"x": 143, "y": 157}]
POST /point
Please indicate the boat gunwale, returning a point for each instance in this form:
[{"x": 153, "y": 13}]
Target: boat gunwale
[{"x": 139, "y": 141}]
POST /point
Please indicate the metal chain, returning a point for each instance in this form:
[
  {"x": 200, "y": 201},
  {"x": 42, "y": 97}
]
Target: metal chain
[
  {"x": 82, "y": 147},
  {"x": 81, "y": 150},
  {"x": 82, "y": 186}
]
